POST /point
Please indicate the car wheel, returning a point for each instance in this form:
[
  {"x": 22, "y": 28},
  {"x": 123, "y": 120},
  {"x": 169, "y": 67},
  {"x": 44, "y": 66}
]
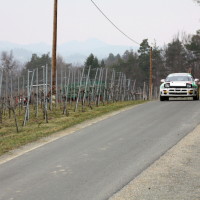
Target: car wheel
[
  {"x": 162, "y": 98},
  {"x": 196, "y": 98}
]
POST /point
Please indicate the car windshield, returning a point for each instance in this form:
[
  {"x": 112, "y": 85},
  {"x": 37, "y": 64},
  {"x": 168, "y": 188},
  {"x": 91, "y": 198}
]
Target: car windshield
[{"x": 178, "y": 78}]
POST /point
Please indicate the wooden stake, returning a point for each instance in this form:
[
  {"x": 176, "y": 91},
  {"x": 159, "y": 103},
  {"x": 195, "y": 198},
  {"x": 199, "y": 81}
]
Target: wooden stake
[
  {"x": 150, "y": 75},
  {"x": 54, "y": 46}
]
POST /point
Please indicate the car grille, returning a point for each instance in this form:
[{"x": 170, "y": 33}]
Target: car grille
[
  {"x": 177, "y": 90},
  {"x": 178, "y": 93},
  {"x": 178, "y": 87}
]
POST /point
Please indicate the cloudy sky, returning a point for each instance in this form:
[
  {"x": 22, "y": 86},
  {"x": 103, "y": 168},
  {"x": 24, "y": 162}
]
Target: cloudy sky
[{"x": 30, "y": 21}]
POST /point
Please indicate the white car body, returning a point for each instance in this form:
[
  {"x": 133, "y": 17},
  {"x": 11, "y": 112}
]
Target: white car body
[{"x": 179, "y": 85}]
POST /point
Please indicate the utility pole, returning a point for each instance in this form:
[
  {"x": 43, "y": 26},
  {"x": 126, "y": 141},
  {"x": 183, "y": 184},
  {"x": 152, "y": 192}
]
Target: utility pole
[
  {"x": 54, "y": 47},
  {"x": 150, "y": 76}
]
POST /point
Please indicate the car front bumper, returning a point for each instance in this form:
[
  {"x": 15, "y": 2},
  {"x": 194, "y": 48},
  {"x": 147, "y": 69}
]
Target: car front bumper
[{"x": 178, "y": 92}]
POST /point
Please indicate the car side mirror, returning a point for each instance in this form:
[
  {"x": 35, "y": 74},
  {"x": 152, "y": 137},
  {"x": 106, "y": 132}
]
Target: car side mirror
[
  {"x": 162, "y": 80},
  {"x": 196, "y": 80}
]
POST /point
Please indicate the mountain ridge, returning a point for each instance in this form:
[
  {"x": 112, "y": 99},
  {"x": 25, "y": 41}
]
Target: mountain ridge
[{"x": 72, "y": 51}]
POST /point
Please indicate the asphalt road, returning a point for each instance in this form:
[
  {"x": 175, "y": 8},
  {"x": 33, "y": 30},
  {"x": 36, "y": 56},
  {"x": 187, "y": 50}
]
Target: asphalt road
[{"x": 97, "y": 161}]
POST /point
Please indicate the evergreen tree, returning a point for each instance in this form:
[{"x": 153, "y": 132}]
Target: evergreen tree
[
  {"x": 37, "y": 62},
  {"x": 193, "y": 48},
  {"x": 194, "y": 44},
  {"x": 102, "y": 64},
  {"x": 176, "y": 57},
  {"x": 110, "y": 60},
  {"x": 144, "y": 59},
  {"x": 92, "y": 62},
  {"x": 159, "y": 71}
]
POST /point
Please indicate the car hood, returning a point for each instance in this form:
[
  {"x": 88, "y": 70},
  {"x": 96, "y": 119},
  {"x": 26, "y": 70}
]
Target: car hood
[{"x": 179, "y": 83}]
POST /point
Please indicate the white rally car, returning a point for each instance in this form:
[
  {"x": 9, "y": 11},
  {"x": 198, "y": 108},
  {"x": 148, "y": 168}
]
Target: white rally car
[{"x": 179, "y": 85}]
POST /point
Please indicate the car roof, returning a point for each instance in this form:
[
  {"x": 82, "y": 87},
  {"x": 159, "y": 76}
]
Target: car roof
[{"x": 180, "y": 74}]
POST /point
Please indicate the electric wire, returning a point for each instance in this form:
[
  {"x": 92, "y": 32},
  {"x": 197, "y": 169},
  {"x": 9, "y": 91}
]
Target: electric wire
[{"x": 114, "y": 24}]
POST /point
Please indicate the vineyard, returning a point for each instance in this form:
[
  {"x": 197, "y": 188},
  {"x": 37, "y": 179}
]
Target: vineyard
[{"x": 32, "y": 97}]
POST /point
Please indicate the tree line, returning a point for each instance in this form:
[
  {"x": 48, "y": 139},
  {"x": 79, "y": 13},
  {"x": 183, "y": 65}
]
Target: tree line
[{"x": 182, "y": 54}]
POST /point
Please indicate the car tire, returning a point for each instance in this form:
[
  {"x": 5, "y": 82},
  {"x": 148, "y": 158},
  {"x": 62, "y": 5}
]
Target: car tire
[
  {"x": 164, "y": 98},
  {"x": 195, "y": 98}
]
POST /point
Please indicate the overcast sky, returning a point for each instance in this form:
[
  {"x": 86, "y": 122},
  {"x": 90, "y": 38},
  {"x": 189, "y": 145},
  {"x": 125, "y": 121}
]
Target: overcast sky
[{"x": 30, "y": 21}]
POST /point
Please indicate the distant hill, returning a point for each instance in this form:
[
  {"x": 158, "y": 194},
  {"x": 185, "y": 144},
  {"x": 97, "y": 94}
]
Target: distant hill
[{"x": 73, "y": 52}]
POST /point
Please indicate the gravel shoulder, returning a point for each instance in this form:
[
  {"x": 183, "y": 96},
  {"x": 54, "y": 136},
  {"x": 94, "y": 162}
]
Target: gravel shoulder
[{"x": 175, "y": 176}]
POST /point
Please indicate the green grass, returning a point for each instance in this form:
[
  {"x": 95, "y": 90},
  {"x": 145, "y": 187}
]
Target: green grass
[{"x": 37, "y": 128}]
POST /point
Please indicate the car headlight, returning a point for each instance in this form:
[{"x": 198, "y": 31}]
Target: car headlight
[
  {"x": 167, "y": 85},
  {"x": 189, "y": 85}
]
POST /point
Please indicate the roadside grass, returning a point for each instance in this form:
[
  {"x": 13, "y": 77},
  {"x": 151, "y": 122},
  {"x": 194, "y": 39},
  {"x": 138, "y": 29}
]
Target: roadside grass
[{"x": 37, "y": 128}]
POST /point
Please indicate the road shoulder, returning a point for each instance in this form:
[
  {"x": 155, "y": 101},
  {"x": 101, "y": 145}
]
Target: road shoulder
[{"x": 175, "y": 176}]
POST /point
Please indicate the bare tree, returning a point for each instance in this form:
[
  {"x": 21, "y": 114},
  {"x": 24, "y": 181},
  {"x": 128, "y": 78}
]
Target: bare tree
[
  {"x": 8, "y": 62},
  {"x": 198, "y": 1}
]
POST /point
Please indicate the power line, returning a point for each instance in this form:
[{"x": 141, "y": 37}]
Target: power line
[{"x": 114, "y": 24}]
